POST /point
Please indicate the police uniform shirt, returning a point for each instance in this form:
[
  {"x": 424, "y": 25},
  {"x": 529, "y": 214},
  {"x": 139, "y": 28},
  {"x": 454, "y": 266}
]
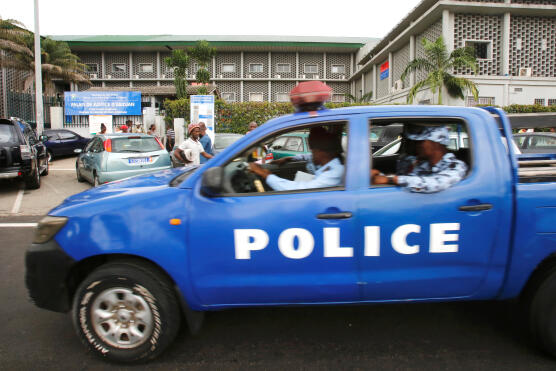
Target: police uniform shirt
[
  {"x": 422, "y": 178},
  {"x": 328, "y": 175}
]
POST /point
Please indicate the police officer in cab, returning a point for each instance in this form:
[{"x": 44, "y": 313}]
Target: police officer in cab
[
  {"x": 324, "y": 163},
  {"x": 434, "y": 170}
]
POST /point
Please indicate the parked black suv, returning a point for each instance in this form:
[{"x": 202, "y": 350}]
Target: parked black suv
[{"x": 22, "y": 155}]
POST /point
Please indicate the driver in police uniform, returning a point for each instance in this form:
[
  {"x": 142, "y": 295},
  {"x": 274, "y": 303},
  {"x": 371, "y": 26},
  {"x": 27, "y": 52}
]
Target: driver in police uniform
[
  {"x": 435, "y": 169},
  {"x": 324, "y": 162}
]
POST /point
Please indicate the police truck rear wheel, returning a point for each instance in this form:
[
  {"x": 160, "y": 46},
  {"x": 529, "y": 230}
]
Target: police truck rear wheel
[
  {"x": 542, "y": 314},
  {"x": 126, "y": 312}
]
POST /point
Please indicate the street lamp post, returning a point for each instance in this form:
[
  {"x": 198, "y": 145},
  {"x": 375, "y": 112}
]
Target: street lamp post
[{"x": 38, "y": 74}]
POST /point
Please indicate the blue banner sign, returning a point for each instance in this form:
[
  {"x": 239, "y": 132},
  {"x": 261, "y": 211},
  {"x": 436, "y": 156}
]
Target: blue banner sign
[{"x": 84, "y": 103}]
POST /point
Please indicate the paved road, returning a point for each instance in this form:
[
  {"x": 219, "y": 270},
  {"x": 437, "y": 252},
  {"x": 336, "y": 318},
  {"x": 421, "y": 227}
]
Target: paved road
[
  {"x": 463, "y": 336},
  {"x": 60, "y": 183},
  {"x": 477, "y": 336}
]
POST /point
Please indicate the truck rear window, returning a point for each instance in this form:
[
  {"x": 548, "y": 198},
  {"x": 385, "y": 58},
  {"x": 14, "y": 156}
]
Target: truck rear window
[
  {"x": 7, "y": 133},
  {"x": 135, "y": 144}
]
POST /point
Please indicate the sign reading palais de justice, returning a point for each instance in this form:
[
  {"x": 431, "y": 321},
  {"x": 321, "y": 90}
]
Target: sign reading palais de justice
[{"x": 84, "y": 103}]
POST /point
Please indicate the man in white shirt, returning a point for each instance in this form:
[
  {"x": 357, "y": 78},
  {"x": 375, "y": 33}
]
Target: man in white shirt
[{"x": 191, "y": 150}]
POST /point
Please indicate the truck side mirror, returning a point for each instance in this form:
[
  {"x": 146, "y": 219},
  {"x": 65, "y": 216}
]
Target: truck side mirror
[{"x": 211, "y": 182}]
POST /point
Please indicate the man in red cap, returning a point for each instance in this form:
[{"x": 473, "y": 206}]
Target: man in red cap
[{"x": 191, "y": 149}]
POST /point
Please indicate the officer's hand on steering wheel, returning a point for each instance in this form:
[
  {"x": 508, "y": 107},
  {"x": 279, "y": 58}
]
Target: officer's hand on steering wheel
[{"x": 254, "y": 168}]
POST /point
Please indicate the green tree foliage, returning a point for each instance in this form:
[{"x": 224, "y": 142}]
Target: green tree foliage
[
  {"x": 203, "y": 54},
  {"x": 179, "y": 61},
  {"x": 57, "y": 61},
  {"x": 439, "y": 65},
  {"x": 366, "y": 98}
]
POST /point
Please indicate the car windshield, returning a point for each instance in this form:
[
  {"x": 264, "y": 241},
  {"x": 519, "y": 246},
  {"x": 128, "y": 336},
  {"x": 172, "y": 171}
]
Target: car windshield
[
  {"x": 7, "y": 133},
  {"x": 135, "y": 144},
  {"x": 224, "y": 141}
]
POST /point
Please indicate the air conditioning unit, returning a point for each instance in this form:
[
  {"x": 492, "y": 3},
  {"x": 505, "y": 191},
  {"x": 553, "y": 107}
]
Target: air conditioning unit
[
  {"x": 342, "y": 77},
  {"x": 163, "y": 76},
  {"x": 316, "y": 77},
  {"x": 277, "y": 76},
  {"x": 249, "y": 76},
  {"x": 525, "y": 71},
  {"x": 303, "y": 76},
  {"x": 398, "y": 85},
  {"x": 193, "y": 76},
  {"x": 221, "y": 76},
  {"x": 108, "y": 76},
  {"x": 93, "y": 76},
  {"x": 135, "y": 76}
]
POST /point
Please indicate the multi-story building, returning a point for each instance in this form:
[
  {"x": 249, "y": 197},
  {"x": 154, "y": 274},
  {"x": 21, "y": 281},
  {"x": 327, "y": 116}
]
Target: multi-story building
[
  {"x": 248, "y": 68},
  {"x": 514, "y": 42}
]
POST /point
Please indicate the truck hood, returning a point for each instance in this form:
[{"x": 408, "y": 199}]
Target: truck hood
[{"x": 121, "y": 191}]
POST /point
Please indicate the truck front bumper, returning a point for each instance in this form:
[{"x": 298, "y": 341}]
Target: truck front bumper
[{"x": 46, "y": 276}]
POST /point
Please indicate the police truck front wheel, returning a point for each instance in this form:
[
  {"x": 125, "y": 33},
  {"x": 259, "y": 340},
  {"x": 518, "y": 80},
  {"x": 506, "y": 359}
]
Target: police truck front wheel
[
  {"x": 542, "y": 313},
  {"x": 126, "y": 312}
]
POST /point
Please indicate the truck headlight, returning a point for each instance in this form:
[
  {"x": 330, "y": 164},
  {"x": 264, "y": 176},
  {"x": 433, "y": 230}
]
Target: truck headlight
[{"x": 48, "y": 227}]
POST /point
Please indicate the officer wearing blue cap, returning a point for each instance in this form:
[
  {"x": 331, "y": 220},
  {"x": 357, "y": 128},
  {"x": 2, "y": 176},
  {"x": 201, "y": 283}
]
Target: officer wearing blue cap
[{"x": 436, "y": 169}]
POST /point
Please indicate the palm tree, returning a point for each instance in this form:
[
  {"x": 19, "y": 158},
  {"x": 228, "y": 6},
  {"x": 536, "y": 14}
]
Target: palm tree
[
  {"x": 57, "y": 61},
  {"x": 365, "y": 98},
  {"x": 179, "y": 61},
  {"x": 438, "y": 64},
  {"x": 203, "y": 54}
]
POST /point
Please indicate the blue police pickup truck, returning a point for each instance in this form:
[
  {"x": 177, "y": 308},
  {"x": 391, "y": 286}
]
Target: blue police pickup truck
[{"x": 132, "y": 259}]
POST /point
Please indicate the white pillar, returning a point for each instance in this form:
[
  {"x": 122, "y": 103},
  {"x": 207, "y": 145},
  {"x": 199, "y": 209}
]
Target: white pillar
[
  {"x": 412, "y": 57},
  {"x": 324, "y": 69},
  {"x": 103, "y": 64},
  {"x": 505, "y": 47},
  {"x": 297, "y": 65},
  {"x": 390, "y": 70},
  {"x": 157, "y": 68},
  {"x": 130, "y": 69},
  {"x": 241, "y": 91},
  {"x": 269, "y": 91},
  {"x": 374, "y": 82},
  {"x": 56, "y": 117},
  {"x": 269, "y": 68},
  {"x": 38, "y": 74},
  {"x": 448, "y": 29},
  {"x": 241, "y": 66}
]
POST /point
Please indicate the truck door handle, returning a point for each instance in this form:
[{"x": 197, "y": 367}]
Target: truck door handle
[
  {"x": 479, "y": 207},
  {"x": 343, "y": 215}
]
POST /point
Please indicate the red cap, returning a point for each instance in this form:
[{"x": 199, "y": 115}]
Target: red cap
[
  {"x": 124, "y": 127},
  {"x": 310, "y": 92}
]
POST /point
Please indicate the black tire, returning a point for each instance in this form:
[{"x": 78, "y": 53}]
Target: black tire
[
  {"x": 47, "y": 166},
  {"x": 542, "y": 314},
  {"x": 80, "y": 178},
  {"x": 33, "y": 181},
  {"x": 143, "y": 289}
]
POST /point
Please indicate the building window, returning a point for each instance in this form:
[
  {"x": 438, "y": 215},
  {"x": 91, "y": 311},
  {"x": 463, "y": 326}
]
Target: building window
[
  {"x": 146, "y": 67},
  {"x": 282, "y": 97},
  {"x": 256, "y": 97},
  {"x": 310, "y": 68},
  {"x": 92, "y": 67},
  {"x": 483, "y": 101},
  {"x": 338, "y": 68},
  {"x": 283, "y": 68},
  {"x": 552, "y": 102},
  {"x": 119, "y": 67},
  {"x": 539, "y": 101},
  {"x": 255, "y": 67},
  {"x": 338, "y": 98},
  {"x": 228, "y": 67},
  {"x": 229, "y": 97},
  {"x": 482, "y": 48}
]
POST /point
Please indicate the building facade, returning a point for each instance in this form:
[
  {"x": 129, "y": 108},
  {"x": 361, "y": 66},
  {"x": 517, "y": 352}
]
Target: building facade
[{"x": 514, "y": 42}]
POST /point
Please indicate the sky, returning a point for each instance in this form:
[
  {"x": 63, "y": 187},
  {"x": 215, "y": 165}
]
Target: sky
[{"x": 355, "y": 18}]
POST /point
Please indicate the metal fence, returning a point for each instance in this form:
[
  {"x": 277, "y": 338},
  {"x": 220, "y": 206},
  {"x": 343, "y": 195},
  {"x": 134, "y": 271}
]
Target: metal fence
[{"x": 22, "y": 105}]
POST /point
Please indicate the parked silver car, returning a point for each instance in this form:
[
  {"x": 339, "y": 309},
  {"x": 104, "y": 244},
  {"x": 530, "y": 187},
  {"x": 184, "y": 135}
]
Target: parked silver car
[{"x": 112, "y": 157}]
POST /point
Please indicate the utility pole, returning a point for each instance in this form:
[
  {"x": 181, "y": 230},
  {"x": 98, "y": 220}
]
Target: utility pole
[{"x": 38, "y": 73}]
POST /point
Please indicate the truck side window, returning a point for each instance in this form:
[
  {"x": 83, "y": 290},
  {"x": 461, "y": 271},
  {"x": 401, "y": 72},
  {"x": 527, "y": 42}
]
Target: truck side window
[
  {"x": 282, "y": 163},
  {"x": 405, "y": 156}
]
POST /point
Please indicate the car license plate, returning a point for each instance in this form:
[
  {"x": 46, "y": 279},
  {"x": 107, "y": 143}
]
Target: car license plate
[{"x": 140, "y": 160}]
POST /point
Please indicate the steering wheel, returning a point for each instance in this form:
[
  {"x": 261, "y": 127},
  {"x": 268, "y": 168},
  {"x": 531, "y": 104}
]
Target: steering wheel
[{"x": 238, "y": 178}]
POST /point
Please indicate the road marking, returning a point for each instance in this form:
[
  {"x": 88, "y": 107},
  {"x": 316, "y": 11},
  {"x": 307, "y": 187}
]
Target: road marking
[
  {"x": 16, "y": 225},
  {"x": 17, "y": 203}
]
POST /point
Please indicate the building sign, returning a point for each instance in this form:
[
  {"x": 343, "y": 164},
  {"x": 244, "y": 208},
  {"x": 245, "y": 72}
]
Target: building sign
[
  {"x": 384, "y": 70},
  {"x": 84, "y": 103},
  {"x": 202, "y": 110}
]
